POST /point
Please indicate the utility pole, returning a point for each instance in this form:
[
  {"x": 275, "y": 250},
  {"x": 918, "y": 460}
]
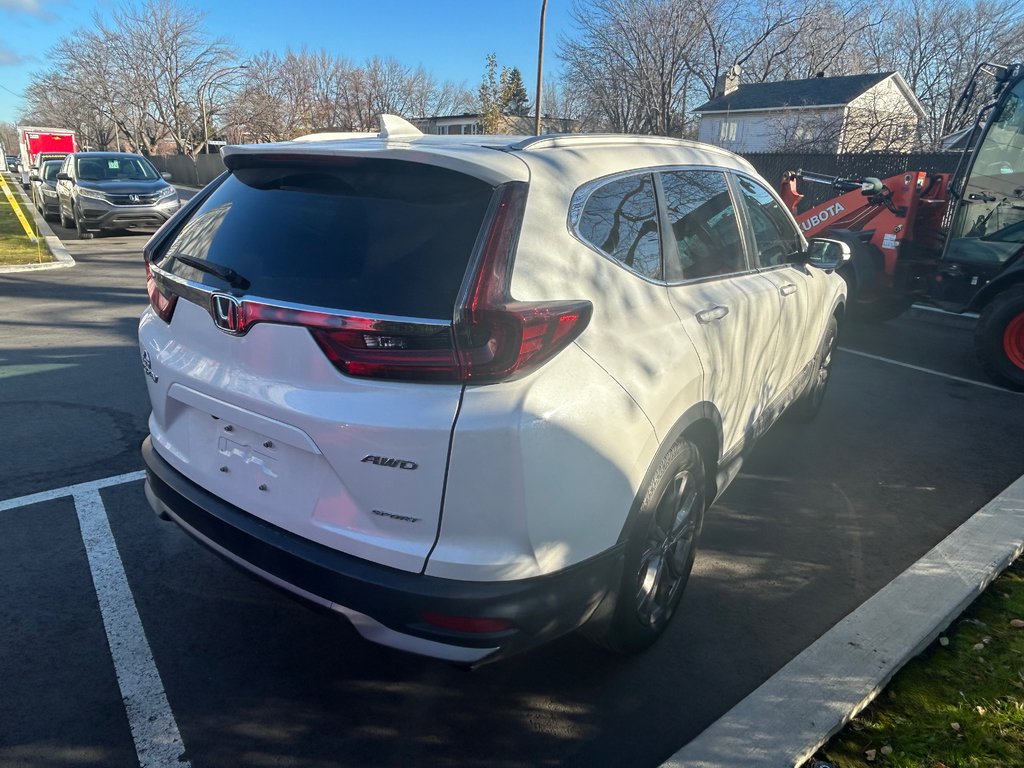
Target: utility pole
[{"x": 540, "y": 66}]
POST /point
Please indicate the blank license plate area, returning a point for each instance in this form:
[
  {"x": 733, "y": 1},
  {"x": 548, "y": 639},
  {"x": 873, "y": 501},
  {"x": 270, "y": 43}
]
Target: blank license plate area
[{"x": 253, "y": 470}]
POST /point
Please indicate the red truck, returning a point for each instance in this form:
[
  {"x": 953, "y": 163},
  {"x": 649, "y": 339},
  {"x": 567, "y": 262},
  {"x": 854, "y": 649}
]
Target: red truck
[{"x": 38, "y": 144}]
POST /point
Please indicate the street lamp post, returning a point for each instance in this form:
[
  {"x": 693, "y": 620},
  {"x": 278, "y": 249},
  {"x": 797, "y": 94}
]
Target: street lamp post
[{"x": 540, "y": 66}]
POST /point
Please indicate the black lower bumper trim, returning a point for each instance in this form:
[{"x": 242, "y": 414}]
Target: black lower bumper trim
[{"x": 539, "y": 608}]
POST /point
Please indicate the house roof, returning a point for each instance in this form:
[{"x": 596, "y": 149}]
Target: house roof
[{"x": 813, "y": 92}]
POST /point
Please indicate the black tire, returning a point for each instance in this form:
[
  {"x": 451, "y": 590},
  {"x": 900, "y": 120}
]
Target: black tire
[
  {"x": 83, "y": 234},
  {"x": 805, "y": 409},
  {"x": 659, "y": 554},
  {"x": 999, "y": 338},
  {"x": 64, "y": 221}
]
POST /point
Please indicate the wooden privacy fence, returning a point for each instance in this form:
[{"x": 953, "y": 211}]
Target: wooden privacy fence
[{"x": 184, "y": 171}]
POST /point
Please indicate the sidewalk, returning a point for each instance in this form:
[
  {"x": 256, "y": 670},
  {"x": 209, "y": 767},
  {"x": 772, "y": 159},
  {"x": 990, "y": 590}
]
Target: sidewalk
[{"x": 794, "y": 712}]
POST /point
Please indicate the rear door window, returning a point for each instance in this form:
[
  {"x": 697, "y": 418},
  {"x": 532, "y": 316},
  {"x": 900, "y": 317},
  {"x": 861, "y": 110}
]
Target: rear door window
[
  {"x": 373, "y": 236},
  {"x": 705, "y": 228}
]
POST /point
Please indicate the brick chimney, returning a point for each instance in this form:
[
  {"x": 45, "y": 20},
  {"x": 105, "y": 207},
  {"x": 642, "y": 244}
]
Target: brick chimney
[{"x": 729, "y": 82}]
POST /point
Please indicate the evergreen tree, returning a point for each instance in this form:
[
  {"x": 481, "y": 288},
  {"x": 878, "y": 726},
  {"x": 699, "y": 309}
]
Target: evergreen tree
[{"x": 514, "y": 99}]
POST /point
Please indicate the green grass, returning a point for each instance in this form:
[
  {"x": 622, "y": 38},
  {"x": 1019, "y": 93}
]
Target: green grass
[
  {"x": 955, "y": 706},
  {"x": 15, "y": 247}
]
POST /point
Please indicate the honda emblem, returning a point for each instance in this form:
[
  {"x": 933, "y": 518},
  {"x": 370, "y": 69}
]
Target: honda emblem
[
  {"x": 227, "y": 313},
  {"x": 133, "y": 198}
]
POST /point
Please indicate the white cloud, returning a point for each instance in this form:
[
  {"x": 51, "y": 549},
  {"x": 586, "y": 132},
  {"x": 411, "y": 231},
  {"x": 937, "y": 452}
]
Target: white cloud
[
  {"x": 29, "y": 7},
  {"x": 10, "y": 58}
]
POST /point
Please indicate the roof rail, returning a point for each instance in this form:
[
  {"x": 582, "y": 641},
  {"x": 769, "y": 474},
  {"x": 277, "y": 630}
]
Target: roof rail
[
  {"x": 330, "y": 135},
  {"x": 583, "y": 139}
]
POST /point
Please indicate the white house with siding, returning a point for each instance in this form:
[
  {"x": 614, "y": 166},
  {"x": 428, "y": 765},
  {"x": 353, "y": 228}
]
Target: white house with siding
[{"x": 852, "y": 113}]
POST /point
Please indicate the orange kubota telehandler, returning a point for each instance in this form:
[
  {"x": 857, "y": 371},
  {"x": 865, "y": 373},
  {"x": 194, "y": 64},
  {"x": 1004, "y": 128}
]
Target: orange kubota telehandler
[{"x": 955, "y": 241}]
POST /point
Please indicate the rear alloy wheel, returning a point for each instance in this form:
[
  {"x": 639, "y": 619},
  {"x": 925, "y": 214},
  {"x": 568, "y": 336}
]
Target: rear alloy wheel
[
  {"x": 999, "y": 338},
  {"x": 806, "y": 408},
  {"x": 82, "y": 233},
  {"x": 659, "y": 554}
]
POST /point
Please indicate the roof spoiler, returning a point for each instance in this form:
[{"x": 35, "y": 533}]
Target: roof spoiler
[{"x": 391, "y": 127}]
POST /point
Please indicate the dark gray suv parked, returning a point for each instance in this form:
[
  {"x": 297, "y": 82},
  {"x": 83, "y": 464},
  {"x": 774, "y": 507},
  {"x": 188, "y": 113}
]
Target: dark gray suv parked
[{"x": 112, "y": 190}]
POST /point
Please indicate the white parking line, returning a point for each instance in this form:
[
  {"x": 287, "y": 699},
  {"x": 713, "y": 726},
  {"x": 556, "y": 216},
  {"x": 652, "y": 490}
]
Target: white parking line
[
  {"x": 928, "y": 370},
  {"x": 157, "y": 739},
  {"x": 69, "y": 490}
]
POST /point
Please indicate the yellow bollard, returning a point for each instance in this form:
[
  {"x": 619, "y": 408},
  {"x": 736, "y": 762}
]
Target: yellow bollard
[{"x": 17, "y": 210}]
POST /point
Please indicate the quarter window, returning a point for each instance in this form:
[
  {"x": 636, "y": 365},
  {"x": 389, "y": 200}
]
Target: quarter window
[
  {"x": 774, "y": 234},
  {"x": 621, "y": 219},
  {"x": 704, "y": 226}
]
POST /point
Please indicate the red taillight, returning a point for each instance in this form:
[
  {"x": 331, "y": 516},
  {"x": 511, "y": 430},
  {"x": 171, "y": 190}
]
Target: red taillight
[
  {"x": 163, "y": 304},
  {"x": 377, "y": 355},
  {"x": 470, "y": 624},
  {"x": 495, "y": 337}
]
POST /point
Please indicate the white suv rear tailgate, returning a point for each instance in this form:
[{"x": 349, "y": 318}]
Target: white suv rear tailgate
[{"x": 266, "y": 423}]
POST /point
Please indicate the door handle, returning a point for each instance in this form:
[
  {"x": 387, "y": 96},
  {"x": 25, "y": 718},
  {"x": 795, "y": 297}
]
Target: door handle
[
  {"x": 787, "y": 289},
  {"x": 710, "y": 315}
]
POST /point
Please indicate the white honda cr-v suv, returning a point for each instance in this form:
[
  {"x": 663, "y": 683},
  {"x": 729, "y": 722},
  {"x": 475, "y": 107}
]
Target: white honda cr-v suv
[{"x": 473, "y": 392}]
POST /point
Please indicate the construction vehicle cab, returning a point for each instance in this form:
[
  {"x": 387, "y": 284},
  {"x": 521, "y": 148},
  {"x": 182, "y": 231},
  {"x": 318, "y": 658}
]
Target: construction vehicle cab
[{"x": 986, "y": 234}]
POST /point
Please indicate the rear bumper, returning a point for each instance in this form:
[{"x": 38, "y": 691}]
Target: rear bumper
[{"x": 387, "y": 605}]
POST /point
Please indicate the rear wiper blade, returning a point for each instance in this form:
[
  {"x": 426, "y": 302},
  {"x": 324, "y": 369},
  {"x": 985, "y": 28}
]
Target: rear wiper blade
[{"x": 227, "y": 274}]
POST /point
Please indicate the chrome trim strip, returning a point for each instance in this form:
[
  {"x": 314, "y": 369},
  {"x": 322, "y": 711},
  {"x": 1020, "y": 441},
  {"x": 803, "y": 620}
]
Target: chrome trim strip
[{"x": 202, "y": 295}]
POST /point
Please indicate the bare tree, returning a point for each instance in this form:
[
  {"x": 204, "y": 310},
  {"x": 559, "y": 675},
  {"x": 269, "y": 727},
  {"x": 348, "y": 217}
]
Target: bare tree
[
  {"x": 283, "y": 96},
  {"x": 163, "y": 51},
  {"x": 937, "y": 45},
  {"x": 568, "y": 106},
  {"x": 136, "y": 79},
  {"x": 633, "y": 62},
  {"x": 9, "y": 137},
  {"x": 736, "y": 33},
  {"x": 827, "y": 37}
]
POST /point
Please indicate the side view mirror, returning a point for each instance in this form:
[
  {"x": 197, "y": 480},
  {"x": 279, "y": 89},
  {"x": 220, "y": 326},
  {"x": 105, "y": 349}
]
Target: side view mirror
[
  {"x": 34, "y": 177},
  {"x": 167, "y": 176},
  {"x": 63, "y": 177},
  {"x": 827, "y": 254}
]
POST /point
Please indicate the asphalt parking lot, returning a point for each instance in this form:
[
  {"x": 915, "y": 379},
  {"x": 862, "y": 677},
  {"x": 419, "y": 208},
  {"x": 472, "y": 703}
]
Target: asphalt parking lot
[{"x": 101, "y": 598}]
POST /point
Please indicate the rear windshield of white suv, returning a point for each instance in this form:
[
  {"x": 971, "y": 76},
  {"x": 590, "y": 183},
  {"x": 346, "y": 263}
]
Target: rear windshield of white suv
[{"x": 375, "y": 236}]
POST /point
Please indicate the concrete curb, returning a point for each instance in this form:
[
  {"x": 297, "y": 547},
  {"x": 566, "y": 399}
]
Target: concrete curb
[
  {"x": 795, "y": 711},
  {"x": 60, "y": 253}
]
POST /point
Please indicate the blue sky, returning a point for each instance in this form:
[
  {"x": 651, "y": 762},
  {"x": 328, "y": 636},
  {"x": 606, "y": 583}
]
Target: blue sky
[{"x": 449, "y": 38}]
